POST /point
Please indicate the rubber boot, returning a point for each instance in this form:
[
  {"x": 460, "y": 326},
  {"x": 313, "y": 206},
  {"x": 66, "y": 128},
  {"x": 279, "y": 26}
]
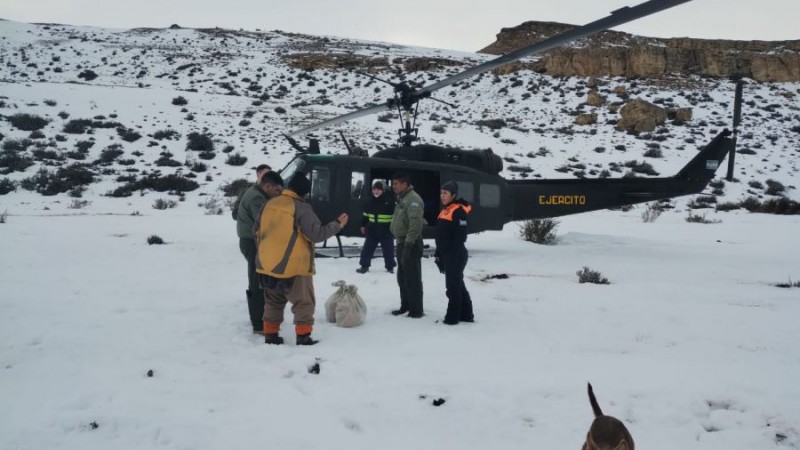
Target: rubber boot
[
  {"x": 273, "y": 338},
  {"x": 305, "y": 339}
]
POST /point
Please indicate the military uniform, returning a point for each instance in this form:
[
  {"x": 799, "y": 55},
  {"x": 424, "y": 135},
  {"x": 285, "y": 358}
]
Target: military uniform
[
  {"x": 407, "y": 223},
  {"x": 246, "y": 213}
]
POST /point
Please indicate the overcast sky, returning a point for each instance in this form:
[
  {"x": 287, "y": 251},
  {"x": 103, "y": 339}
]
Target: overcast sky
[{"x": 449, "y": 24}]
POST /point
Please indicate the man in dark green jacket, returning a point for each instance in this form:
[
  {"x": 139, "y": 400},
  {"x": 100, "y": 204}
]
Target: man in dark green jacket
[
  {"x": 407, "y": 222},
  {"x": 252, "y": 201},
  {"x": 260, "y": 171}
]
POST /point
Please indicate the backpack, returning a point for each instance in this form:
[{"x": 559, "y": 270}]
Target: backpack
[{"x": 345, "y": 307}]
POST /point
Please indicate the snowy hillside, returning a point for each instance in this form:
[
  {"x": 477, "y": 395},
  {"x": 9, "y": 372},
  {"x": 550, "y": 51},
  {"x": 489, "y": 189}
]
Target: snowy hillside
[
  {"x": 107, "y": 342},
  {"x": 114, "y": 102}
]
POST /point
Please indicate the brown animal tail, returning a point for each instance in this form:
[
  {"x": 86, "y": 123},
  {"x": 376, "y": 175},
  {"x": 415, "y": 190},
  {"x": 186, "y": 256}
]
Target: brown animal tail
[{"x": 595, "y": 407}]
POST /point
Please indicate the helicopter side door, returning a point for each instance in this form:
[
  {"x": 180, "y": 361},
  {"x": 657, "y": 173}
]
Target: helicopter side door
[{"x": 485, "y": 196}]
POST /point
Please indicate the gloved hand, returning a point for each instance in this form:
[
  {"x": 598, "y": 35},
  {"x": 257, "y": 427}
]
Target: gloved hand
[{"x": 439, "y": 264}]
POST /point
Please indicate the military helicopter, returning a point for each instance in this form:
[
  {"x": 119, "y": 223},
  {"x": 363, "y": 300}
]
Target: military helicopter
[{"x": 341, "y": 183}]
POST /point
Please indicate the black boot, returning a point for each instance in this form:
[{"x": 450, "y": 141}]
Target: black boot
[
  {"x": 273, "y": 338},
  {"x": 362, "y": 269},
  {"x": 305, "y": 339},
  {"x": 398, "y": 312}
]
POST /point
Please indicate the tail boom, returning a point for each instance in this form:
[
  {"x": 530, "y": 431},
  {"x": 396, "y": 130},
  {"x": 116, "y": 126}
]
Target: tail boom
[{"x": 536, "y": 199}]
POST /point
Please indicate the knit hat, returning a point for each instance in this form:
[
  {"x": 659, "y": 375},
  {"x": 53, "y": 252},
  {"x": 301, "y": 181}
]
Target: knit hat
[
  {"x": 300, "y": 184},
  {"x": 377, "y": 185},
  {"x": 451, "y": 186}
]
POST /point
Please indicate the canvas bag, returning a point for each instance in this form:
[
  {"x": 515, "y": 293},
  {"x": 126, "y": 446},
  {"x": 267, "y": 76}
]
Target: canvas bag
[{"x": 345, "y": 307}]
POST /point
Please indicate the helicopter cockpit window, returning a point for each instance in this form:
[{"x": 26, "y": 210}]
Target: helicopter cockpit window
[
  {"x": 357, "y": 185},
  {"x": 288, "y": 172},
  {"x": 320, "y": 184},
  {"x": 466, "y": 190},
  {"x": 489, "y": 195}
]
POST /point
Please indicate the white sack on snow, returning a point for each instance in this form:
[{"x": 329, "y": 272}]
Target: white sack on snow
[{"x": 345, "y": 307}]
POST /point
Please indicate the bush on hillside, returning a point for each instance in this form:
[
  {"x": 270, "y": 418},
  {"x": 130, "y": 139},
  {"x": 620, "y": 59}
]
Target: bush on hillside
[
  {"x": 166, "y": 161},
  {"x": 27, "y": 122},
  {"x": 697, "y": 218},
  {"x": 587, "y": 275},
  {"x": 168, "y": 183},
  {"x": 109, "y": 154},
  {"x": 166, "y": 134},
  {"x": 80, "y": 126},
  {"x": 199, "y": 142},
  {"x": 236, "y": 159},
  {"x": 155, "y": 240},
  {"x": 128, "y": 135},
  {"x": 235, "y": 187},
  {"x": 774, "y": 187},
  {"x": 164, "y": 204},
  {"x": 62, "y": 180},
  {"x": 198, "y": 167},
  {"x": 17, "y": 145},
  {"x": 651, "y": 212},
  {"x": 779, "y": 205},
  {"x": 87, "y": 75},
  {"x": 7, "y": 186},
  {"x": 13, "y": 162}
]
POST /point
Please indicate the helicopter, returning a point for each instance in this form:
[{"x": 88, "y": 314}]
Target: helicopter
[{"x": 341, "y": 183}]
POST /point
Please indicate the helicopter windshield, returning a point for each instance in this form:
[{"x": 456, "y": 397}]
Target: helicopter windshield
[{"x": 294, "y": 166}]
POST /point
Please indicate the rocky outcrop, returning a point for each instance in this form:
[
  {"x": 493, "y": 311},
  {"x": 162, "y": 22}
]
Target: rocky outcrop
[
  {"x": 586, "y": 119},
  {"x": 621, "y": 54},
  {"x": 308, "y": 61},
  {"x": 640, "y": 116}
]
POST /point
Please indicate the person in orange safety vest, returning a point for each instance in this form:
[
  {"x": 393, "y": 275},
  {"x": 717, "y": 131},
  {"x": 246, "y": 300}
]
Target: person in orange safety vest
[{"x": 451, "y": 254}]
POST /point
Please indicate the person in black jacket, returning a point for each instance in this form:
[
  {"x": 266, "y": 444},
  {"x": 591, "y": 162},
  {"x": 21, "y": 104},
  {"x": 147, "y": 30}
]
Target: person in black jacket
[
  {"x": 375, "y": 225},
  {"x": 451, "y": 253}
]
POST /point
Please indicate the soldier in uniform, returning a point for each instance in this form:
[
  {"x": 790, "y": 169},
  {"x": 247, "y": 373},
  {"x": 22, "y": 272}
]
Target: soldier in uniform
[{"x": 407, "y": 223}]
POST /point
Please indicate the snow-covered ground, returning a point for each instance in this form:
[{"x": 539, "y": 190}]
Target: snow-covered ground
[{"x": 691, "y": 344}]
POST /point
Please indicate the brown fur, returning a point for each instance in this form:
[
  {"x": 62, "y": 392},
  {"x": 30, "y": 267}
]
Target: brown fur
[{"x": 606, "y": 432}]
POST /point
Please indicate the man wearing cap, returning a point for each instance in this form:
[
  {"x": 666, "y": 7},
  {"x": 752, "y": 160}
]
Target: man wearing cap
[
  {"x": 451, "y": 253},
  {"x": 286, "y": 234},
  {"x": 269, "y": 185},
  {"x": 407, "y": 222},
  {"x": 375, "y": 225}
]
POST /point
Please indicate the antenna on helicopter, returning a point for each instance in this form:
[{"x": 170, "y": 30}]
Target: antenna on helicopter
[
  {"x": 352, "y": 148},
  {"x": 313, "y": 145},
  {"x": 737, "y": 119}
]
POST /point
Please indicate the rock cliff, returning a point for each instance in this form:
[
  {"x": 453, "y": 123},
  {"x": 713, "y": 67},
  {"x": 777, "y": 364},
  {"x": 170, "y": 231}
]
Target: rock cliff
[{"x": 622, "y": 54}]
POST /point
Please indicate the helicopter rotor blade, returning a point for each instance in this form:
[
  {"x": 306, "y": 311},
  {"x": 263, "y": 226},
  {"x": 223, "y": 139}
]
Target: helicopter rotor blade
[
  {"x": 406, "y": 97},
  {"x": 343, "y": 118},
  {"x": 618, "y": 17},
  {"x": 394, "y": 85}
]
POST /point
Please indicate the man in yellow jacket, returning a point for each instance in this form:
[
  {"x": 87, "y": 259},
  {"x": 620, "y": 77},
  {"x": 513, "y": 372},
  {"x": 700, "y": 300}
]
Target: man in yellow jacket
[{"x": 285, "y": 235}]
